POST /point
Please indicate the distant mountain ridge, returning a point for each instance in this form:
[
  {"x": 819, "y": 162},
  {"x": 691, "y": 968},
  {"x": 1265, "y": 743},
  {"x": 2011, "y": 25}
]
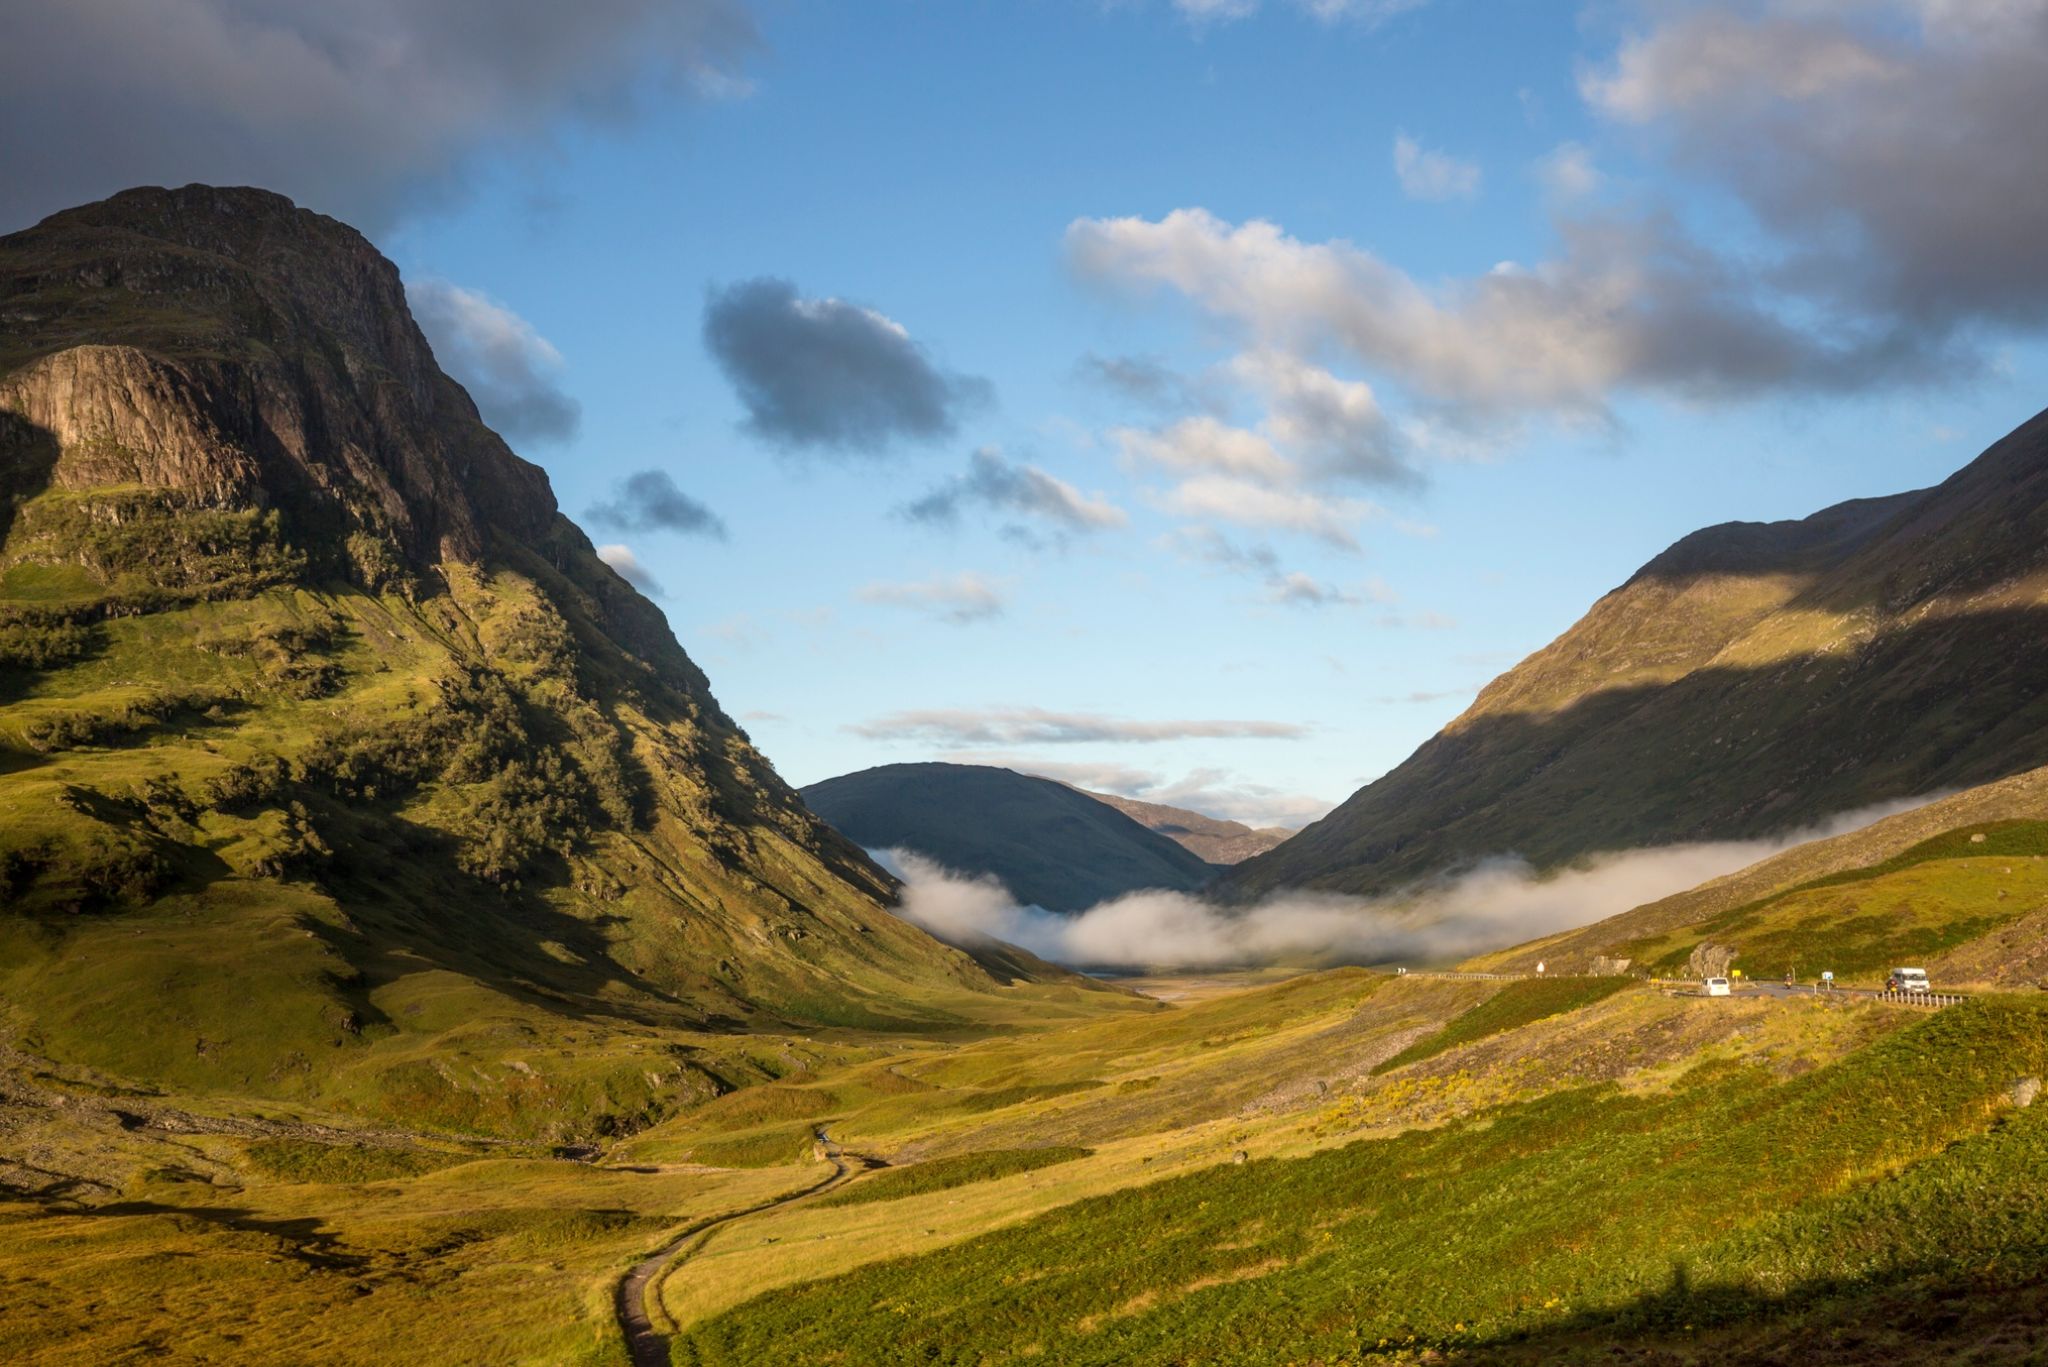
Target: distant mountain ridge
[
  {"x": 1050, "y": 844},
  {"x": 1209, "y": 838},
  {"x": 1751, "y": 679}
]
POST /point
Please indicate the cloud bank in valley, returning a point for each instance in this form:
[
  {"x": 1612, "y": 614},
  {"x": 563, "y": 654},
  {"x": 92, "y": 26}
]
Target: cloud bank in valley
[{"x": 1499, "y": 902}]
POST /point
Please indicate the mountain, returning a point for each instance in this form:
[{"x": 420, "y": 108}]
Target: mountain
[
  {"x": 333, "y": 762},
  {"x": 1751, "y": 679},
  {"x": 1051, "y": 845},
  {"x": 1209, "y": 839}
]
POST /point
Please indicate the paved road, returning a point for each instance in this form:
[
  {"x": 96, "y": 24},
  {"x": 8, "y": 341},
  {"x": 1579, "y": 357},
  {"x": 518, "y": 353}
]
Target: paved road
[
  {"x": 1768, "y": 988},
  {"x": 648, "y": 1345}
]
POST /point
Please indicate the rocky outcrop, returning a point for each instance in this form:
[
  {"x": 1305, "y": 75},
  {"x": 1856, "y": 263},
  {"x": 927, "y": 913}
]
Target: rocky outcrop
[
  {"x": 1710, "y": 961},
  {"x": 225, "y": 344}
]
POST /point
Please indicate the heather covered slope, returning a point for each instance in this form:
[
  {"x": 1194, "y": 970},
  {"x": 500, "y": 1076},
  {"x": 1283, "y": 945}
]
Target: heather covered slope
[
  {"x": 1750, "y": 680},
  {"x": 1051, "y": 845},
  {"x": 330, "y": 753}
]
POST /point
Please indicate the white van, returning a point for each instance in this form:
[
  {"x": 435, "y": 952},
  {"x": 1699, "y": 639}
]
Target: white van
[
  {"x": 1718, "y": 987},
  {"x": 1907, "y": 980}
]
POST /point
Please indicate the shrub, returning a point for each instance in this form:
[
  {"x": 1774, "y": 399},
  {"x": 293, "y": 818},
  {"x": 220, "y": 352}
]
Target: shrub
[
  {"x": 35, "y": 645},
  {"x": 255, "y": 783}
]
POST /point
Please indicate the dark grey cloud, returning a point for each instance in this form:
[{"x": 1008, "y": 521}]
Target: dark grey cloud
[
  {"x": 1893, "y": 146},
  {"x": 1037, "y": 726},
  {"x": 828, "y": 375},
  {"x": 359, "y": 108},
  {"x": 512, "y": 372},
  {"x": 1002, "y": 486},
  {"x": 649, "y": 501}
]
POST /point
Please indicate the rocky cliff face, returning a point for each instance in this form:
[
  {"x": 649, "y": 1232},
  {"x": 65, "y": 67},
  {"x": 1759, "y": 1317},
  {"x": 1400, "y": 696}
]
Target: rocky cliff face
[
  {"x": 229, "y": 345},
  {"x": 1752, "y": 678}
]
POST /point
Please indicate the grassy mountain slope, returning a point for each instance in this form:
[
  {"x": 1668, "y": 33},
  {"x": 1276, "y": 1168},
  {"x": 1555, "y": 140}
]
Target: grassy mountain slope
[
  {"x": 1960, "y": 884},
  {"x": 1741, "y": 1206},
  {"x": 334, "y": 765},
  {"x": 1751, "y": 679},
  {"x": 1051, "y": 845},
  {"x": 1212, "y": 840}
]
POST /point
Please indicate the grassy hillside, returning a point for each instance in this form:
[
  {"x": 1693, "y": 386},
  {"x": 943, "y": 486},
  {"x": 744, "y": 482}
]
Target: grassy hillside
[
  {"x": 1051, "y": 845},
  {"x": 1750, "y": 680},
  {"x": 1959, "y": 884}
]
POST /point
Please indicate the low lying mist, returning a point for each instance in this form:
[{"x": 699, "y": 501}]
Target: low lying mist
[{"x": 1500, "y": 902}]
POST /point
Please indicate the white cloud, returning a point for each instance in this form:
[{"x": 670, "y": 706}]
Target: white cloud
[
  {"x": 1431, "y": 175},
  {"x": 957, "y": 599},
  {"x": 1329, "y": 520},
  {"x": 966, "y": 727},
  {"x": 1712, "y": 55},
  {"x": 1568, "y": 172},
  {"x": 512, "y": 372},
  {"x": 1626, "y": 303},
  {"x": 1366, "y": 12},
  {"x": 622, "y": 559},
  {"x": 1208, "y": 446}
]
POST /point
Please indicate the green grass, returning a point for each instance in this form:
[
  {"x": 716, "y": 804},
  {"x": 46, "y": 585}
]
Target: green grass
[
  {"x": 1515, "y": 1005},
  {"x": 943, "y": 1174},
  {"x": 1934, "y": 898},
  {"x": 999, "y": 1098},
  {"x": 763, "y": 1149},
  {"x": 298, "y": 1160},
  {"x": 1585, "y": 1211}
]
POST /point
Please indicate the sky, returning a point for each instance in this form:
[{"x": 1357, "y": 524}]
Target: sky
[{"x": 1195, "y": 399}]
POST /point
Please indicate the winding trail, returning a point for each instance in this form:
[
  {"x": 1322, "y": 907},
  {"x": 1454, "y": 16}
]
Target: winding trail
[{"x": 648, "y": 1345}]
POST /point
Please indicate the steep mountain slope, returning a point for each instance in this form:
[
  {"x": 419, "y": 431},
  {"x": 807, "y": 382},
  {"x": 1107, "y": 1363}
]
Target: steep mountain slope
[
  {"x": 329, "y": 750},
  {"x": 1751, "y": 679},
  {"x": 1206, "y": 837},
  {"x": 1051, "y": 845}
]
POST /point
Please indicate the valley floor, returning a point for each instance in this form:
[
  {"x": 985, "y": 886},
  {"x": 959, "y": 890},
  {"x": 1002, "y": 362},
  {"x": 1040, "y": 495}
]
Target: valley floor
[{"x": 1341, "y": 1166}]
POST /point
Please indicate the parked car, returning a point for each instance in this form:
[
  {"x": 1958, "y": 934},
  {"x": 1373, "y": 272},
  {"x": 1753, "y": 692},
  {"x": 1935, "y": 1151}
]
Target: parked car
[
  {"x": 1907, "y": 980},
  {"x": 1718, "y": 987}
]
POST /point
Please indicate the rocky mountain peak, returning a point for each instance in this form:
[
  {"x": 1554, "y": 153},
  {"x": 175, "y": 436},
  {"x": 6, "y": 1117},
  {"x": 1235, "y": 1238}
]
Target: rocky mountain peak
[{"x": 229, "y": 347}]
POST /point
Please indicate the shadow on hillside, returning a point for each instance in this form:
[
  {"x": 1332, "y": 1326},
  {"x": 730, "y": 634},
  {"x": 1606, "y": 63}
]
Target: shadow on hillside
[
  {"x": 28, "y": 457},
  {"x": 1723, "y": 754},
  {"x": 303, "y": 1240},
  {"x": 409, "y": 900},
  {"x": 1919, "y": 1312}
]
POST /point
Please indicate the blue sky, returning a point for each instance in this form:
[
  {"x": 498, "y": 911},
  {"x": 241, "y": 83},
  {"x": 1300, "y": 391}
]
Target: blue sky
[{"x": 1545, "y": 287}]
